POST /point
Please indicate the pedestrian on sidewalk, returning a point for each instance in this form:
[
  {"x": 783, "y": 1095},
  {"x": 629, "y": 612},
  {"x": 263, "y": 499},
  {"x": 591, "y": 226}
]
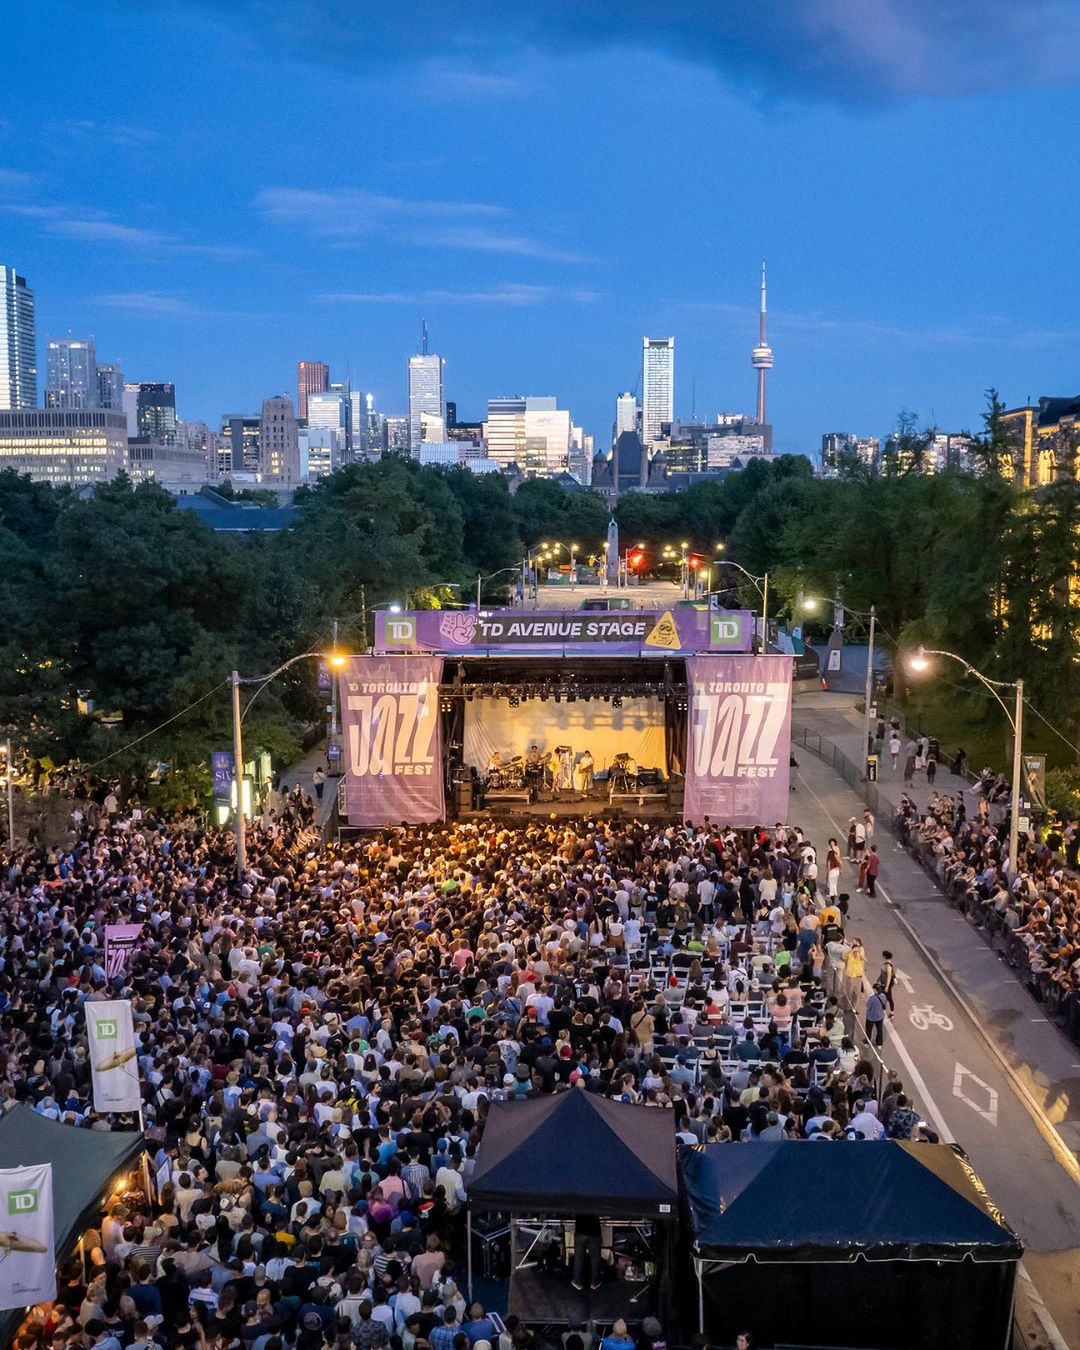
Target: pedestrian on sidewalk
[
  {"x": 868, "y": 826},
  {"x": 319, "y": 780},
  {"x": 873, "y": 868},
  {"x": 877, "y": 1008},
  {"x": 931, "y": 770},
  {"x": 887, "y": 979},
  {"x": 894, "y": 750},
  {"x": 910, "y": 757},
  {"x": 833, "y": 864}
]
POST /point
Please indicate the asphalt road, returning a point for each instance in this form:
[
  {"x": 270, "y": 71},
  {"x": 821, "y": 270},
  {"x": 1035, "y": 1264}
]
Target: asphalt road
[{"x": 955, "y": 1040}]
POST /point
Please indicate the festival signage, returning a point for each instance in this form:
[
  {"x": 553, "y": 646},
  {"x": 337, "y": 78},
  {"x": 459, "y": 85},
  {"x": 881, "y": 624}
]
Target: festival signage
[
  {"x": 28, "y": 1267},
  {"x": 393, "y": 761},
  {"x": 221, "y": 768},
  {"x": 739, "y": 748},
  {"x": 121, "y": 944},
  {"x": 661, "y": 632},
  {"x": 113, "y": 1064}
]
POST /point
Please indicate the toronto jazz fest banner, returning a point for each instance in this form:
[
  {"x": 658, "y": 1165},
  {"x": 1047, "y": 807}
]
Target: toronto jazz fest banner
[
  {"x": 740, "y": 739},
  {"x": 393, "y": 764}
]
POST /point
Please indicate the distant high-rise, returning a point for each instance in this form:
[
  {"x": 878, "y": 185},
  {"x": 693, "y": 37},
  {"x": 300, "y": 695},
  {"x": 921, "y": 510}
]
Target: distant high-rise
[
  {"x": 18, "y": 342},
  {"x": 279, "y": 445},
  {"x": 312, "y": 377},
  {"x": 63, "y": 446},
  {"x": 110, "y": 385},
  {"x": 762, "y": 357},
  {"x": 530, "y": 432},
  {"x": 239, "y": 450},
  {"x": 332, "y": 410},
  {"x": 155, "y": 410},
  {"x": 426, "y": 397},
  {"x": 71, "y": 374},
  {"x": 657, "y": 386},
  {"x": 626, "y": 416}
]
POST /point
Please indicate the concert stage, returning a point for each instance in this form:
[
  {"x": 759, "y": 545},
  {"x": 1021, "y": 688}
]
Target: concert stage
[
  {"x": 538, "y": 1297},
  {"x": 657, "y": 713}
]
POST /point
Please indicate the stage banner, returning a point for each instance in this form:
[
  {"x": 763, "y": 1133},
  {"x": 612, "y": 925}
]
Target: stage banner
[
  {"x": 623, "y": 632},
  {"x": 121, "y": 944},
  {"x": 221, "y": 769},
  {"x": 28, "y": 1267},
  {"x": 113, "y": 1066},
  {"x": 393, "y": 761},
  {"x": 740, "y": 739}
]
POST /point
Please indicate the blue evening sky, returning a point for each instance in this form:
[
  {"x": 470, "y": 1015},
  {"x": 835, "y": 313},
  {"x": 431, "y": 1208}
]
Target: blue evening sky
[{"x": 216, "y": 190}]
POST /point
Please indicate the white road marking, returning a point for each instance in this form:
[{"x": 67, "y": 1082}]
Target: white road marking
[
  {"x": 922, "y": 1016},
  {"x": 918, "y": 1082},
  {"x": 905, "y": 980},
  {"x": 989, "y": 1109}
]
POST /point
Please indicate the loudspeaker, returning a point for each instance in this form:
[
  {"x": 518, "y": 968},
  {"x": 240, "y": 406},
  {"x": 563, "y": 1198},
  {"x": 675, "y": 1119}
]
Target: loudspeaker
[{"x": 464, "y": 791}]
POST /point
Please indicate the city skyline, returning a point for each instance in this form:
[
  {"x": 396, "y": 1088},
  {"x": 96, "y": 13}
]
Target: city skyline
[{"x": 860, "y": 182}]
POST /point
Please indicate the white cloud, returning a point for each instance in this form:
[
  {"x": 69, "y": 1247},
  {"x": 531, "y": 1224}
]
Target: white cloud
[
  {"x": 154, "y": 303},
  {"x": 512, "y": 295}
]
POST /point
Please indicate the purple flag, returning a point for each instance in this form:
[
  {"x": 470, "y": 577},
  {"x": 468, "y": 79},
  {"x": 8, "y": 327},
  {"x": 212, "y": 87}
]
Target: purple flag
[
  {"x": 740, "y": 739},
  {"x": 121, "y": 944},
  {"x": 393, "y": 759}
]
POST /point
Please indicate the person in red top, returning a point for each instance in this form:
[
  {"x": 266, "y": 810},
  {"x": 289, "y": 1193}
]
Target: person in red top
[{"x": 873, "y": 867}]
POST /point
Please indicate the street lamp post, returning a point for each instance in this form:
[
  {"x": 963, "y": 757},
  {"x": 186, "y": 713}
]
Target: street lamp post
[
  {"x": 1015, "y": 719},
  {"x": 761, "y": 585},
  {"x": 336, "y": 659},
  {"x": 10, "y": 793}
]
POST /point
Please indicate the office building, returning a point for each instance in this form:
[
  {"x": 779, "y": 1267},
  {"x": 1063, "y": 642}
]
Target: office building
[
  {"x": 396, "y": 435},
  {"x": 332, "y": 410},
  {"x": 155, "y": 412},
  {"x": 129, "y": 402},
  {"x": 426, "y": 399},
  {"x": 110, "y": 386},
  {"x": 701, "y": 448},
  {"x": 530, "y": 432},
  {"x": 175, "y": 467},
  {"x": 64, "y": 447},
  {"x": 240, "y": 443},
  {"x": 312, "y": 377},
  {"x": 279, "y": 446},
  {"x": 582, "y": 449},
  {"x": 626, "y": 416},
  {"x": 657, "y": 386},
  {"x": 317, "y": 449},
  {"x": 71, "y": 373},
  {"x": 197, "y": 438},
  {"x": 18, "y": 342}
]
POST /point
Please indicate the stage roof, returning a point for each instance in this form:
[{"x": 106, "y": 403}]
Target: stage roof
[
  {"x": 884, "y": 1200},
  {"x": 577, "y": 1153}
]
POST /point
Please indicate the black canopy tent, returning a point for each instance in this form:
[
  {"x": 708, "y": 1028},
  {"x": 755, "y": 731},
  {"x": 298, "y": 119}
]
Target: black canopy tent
[
  {"x": 576, "y": 1153},
  {"x": 85, "y": 1164},
  {"x": 885, "y": 1244}
]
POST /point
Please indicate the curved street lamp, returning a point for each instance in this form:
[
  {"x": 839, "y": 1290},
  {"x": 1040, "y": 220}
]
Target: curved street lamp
[
  {"x": 918, "y": 663},
  {"x": 761, "y": 585}
]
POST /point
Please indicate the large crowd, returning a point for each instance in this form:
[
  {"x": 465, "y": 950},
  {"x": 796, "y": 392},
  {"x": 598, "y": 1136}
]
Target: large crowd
[{"x": 319, "y": 1046}]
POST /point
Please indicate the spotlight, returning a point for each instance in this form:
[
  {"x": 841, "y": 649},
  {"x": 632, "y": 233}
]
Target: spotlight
[
  {"x": 514, "y": 701},
  {"x": 616, "y": 702}
]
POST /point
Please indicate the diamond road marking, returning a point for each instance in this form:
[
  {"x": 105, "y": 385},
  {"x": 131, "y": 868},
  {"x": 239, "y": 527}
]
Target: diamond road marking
[{"x": 985, "y": 1100}]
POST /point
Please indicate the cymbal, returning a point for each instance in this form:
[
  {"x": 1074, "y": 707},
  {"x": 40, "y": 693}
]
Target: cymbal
[
  {"x": 116, "y": 1061},
  {"x": 15, "y": 1242}
]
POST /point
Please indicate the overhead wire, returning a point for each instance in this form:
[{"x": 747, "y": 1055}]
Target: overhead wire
[{"x": 168, "y": 722}]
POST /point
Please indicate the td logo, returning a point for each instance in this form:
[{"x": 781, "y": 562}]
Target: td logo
[
  {"x": 726, "y": 632},
  {"x": 22, "y": 1202},
  {"x": 400, "y": 632},
  {"x": 106, "y": 1031}
]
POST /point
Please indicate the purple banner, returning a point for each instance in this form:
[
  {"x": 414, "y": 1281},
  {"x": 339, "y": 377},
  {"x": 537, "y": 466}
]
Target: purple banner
[
  {"x": 221, "y": 767},
  {"x": 393, "y": 761},
  {"x": 578, "y": 632},
  {"x": 121, "y": 944},
  {"x": 739, "y": 739}
]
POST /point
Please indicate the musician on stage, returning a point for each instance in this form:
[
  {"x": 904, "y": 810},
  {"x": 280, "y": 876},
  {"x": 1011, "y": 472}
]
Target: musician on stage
[
  {"x": 554, "y": 765},
  {"x": 585, "y": 771},
  {"x": 566, "y": 768}
]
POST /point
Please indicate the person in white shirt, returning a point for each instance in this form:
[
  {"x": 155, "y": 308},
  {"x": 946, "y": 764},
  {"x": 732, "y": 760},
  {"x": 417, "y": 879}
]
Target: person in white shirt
[{"x": 449, "y": 1178}]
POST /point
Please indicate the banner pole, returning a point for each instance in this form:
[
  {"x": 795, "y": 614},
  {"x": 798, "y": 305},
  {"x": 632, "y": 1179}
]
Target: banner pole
[{"x": 145, "y": 1159}]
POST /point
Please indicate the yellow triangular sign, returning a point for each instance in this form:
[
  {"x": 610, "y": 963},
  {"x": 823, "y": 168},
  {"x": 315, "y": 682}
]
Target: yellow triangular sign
[{"x": 665, "y": 633}]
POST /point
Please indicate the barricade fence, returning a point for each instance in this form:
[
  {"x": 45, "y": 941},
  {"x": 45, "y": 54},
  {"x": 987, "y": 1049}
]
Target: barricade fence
[{"x": 981, "y": 912}]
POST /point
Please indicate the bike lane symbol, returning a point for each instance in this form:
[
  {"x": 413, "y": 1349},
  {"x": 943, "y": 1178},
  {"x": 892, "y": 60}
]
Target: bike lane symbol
[{"x": 922, "y": 1017}]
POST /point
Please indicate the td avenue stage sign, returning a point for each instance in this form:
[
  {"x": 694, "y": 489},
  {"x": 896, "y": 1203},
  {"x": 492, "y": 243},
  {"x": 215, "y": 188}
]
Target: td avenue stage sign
[{"x": 571, "y": 633}]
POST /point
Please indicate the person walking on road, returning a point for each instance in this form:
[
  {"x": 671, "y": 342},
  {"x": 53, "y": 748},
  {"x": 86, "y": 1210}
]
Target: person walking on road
[
  {"x": 910, "y": 757},
  {"x": 873, "y": 868},
  {"x": 833, "y": 864},
  {"x": 894, "y": 750},
  {"x": 318, "y": 779},
  {"x": 854, "y": 970},
  {"x": 876, "y": 1011},
  {"x": 887, "y": 979},
  {"x": 931, "y": 770}
]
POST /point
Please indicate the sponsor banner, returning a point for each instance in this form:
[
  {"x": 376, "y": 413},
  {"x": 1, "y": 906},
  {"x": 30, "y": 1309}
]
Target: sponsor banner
[
  {"x": 390, "y": 719},
  {"x": 325, "y": 679},
  {"x": 739, "y": 748},
  {"x": 571, "y": 632},
  {"x": 121, "y": 944},
  {"x": 114, "y": 1067},
  {"x": 28, "y": 1265},
  {"x": 221, "y": 767}
]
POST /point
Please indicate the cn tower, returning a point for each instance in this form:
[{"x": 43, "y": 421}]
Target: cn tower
[{"x": 762, "y": 357}]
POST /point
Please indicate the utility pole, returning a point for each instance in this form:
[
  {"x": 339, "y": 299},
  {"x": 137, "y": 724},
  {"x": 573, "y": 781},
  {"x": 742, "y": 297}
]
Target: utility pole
[
  {"x": 869, "y": 691},
  {"x": 10, "y": 794},
  {"x": 238, "y": 777},
  {"x": 765, "y": 614},
  {"x": 479, "y": 579},
  {"x": 1017, "y": 771},
  {"x": 333, "y": 695}
]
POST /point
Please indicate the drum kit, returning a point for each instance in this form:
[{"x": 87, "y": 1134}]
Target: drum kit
[
  {"x": 623, "y": 775},
  {"x": 510, "y": 775}
]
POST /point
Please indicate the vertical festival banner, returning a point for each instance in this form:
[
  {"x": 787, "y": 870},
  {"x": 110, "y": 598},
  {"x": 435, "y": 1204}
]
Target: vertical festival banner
[
  {"x": 393, "y": 759},
  {"x": 121, "y": 944},
  {"x": 28, "y": 1268},
  {"x": 221, "y": 769},
  {"x": 740, "y": 739},
  {"x": 113, "y": 1065}
]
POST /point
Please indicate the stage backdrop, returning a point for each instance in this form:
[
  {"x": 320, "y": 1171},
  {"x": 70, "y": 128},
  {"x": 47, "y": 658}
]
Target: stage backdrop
[
  {"x": 393, "y": 760},
  {"x": 637, "y": 728},
  {"x": 740, "y": 739}
]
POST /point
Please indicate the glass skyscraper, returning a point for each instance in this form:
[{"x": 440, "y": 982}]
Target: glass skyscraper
[
  {"x": 18, "y": 342},
  {"x": 71, "y": 374},
  {"x": 427, "y": 401}
]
